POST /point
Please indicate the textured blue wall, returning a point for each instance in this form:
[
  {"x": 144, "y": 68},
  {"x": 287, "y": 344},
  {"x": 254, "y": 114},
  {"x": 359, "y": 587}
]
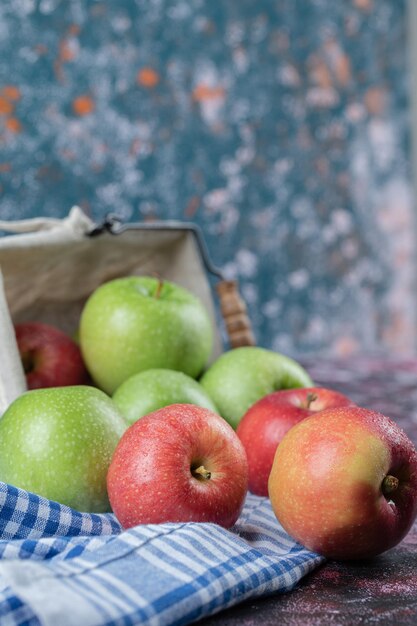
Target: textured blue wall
[{"x": 282, "y": 128}]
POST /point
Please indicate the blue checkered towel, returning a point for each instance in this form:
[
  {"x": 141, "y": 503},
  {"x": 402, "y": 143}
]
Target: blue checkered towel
[{"x": 62, "y": 567}]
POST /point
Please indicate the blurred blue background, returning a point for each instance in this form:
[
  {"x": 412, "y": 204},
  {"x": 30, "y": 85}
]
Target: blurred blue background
[{"x": 281, "y": 128}]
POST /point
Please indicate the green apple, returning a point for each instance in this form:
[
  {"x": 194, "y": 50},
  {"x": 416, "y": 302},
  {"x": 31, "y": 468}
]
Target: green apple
[
  {"x": 58, "y": 443},
  {"x": 241, "y": 377},
  {"x": 153, "y": 389},
  {"x": 137, "y": 323}
]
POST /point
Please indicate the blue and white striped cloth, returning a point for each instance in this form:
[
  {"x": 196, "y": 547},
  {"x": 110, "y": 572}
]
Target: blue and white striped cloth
[{"x": 62, "y": 567}]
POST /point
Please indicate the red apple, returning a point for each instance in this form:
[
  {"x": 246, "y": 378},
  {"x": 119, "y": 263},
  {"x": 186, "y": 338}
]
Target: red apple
[
  {"x": 180, "y": 463},
  {"x": 267, "y": 421},
  {"x": 344, "y": 483},
  {"x": 50, "y": 358}
]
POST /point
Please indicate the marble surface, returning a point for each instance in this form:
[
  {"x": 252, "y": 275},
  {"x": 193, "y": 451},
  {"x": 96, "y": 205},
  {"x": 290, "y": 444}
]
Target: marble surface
[
  {"x": 282, "y": 128},
  {"x": 381, "y": 593}
]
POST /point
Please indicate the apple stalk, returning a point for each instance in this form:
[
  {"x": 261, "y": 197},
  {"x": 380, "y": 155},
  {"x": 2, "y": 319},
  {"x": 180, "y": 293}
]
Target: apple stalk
[
  {"x": 311, "y": 397},
  {"x": 201, "y": 473},
  {"x": 158, "y": 289},
  {"x": 27, "y": 362},
  {"x": 389, "y": 484}
]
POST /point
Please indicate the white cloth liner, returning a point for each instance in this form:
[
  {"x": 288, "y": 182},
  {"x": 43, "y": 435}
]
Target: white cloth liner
[{"x": 12, "y": 377}]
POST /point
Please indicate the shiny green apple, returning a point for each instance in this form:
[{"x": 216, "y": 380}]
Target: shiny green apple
[
  {"x": 153, "y": 389},
  {"x": 137, "y": 323},
  {"x": 58, "y": 443},
  {"x": 241, "y": 377}
]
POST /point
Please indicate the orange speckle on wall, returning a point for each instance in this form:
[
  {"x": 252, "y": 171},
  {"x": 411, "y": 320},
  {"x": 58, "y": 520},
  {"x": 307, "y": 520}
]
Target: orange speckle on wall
[
  {"x": 6, "y": 107},
  {"x": 83, "y": 105},
  {"x": 375, "y": 100},
  {"x": 192, "y": 206},
  {"x": 204, "y": 92},
  {"x": 364, "y": 5},
  {"x": 66, "y": 52},
  {"x": 147, "y": 77},
  {"x": 5, "y": 167},
  {"x": 41, "y": 49},
  {"x": 338, "y": 61},
  {"x": 13, "y": 125},
  {"x": 69, "y": 155},
  {"x": 11, "y": 92},
  {"x": 319, "y": 72},
  {"x": 74, "y": 29},
  {"x": 346, "y": 345},
  {"x": 343, "y": 70},
  {"x": 135, "y": 147}
]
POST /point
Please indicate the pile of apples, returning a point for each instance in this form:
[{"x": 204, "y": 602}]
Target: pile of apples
[{"x": 129, "y": 417}]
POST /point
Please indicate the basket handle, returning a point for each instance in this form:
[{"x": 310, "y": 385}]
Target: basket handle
[{"x": 235, "y": 315}]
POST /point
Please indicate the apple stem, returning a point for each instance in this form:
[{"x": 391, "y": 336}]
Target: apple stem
[
  {"x": 389, "y": 484},
  {"x": 158, "y": 287},
  {"x": 201, "y": 473},
  {"x": 27, "y": 362},
  {"x": 309, "y": 400}
]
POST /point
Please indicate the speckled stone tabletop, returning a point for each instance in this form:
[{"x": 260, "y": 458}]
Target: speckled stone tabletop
[{"x": 378, "y": 592}]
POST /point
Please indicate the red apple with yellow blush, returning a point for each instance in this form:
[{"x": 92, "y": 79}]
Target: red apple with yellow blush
[{"x": 344, "y": 483}]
